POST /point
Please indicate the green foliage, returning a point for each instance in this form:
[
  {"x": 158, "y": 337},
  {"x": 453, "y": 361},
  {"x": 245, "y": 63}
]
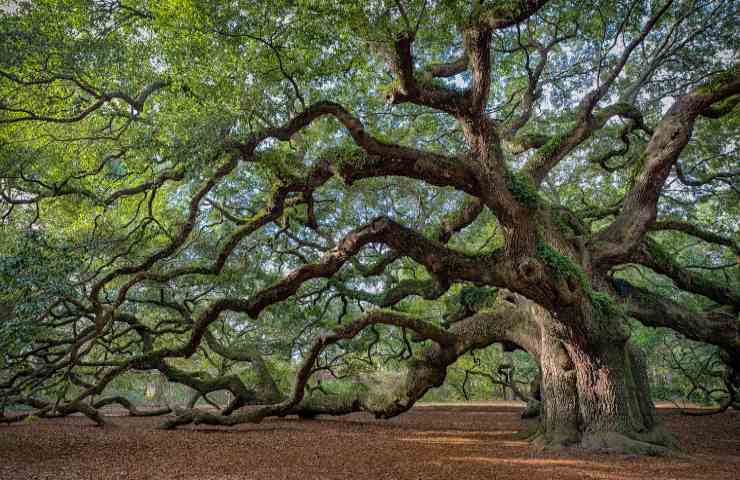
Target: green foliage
[
  {"x": 388, "y": 89},
  {"x": 605, "y": 305},
  {"x": 659, "y": 254},
  {"x": 285, "y": 165},
  {"x": 550, "y": 148},
  {"x": 347, "y": 157},
  {"x": 719, "y": 80},
  {"x": 477, "y": 298},
  {"x": 30, "y": 419},
  {"x": 234, "y": 69},
  {"x": 522, "y": 188},
  {"x": 562, "y": 267},
  {"x": 558, "y": 264},
  {"x": 680, "y": 369},
  {"x": 563, "y": 222}
]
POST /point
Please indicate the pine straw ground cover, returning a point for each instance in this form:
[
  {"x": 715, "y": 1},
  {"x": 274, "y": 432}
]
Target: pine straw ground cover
[{"x": 443, "y": 442}]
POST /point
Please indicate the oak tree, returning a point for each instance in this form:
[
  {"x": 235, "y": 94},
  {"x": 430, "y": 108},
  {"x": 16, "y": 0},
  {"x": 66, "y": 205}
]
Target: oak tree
[{"x": 193, "y": 182}]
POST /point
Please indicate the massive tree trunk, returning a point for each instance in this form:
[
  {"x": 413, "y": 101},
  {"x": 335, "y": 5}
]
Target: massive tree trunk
[
  {"x": 559, "y": 420},
  {"x": 595, "y": 392}
]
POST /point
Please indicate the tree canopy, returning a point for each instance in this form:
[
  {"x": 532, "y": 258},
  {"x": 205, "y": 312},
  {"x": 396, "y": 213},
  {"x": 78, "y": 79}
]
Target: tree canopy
[{"x": 224, "y": 191}]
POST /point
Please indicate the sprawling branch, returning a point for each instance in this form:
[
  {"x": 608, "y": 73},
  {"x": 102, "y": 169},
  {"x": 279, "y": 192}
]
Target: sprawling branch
[
  {"x": 413, "y": 89},
  {"x": 382, "y": 158},
  {"x": 726, "y": 176},
  {"x": 590, "y": 101},
  {"x": 653, "y": 256},
  {"x": 133, "y": 410},
  {"x": 587, "y": 122},
  {"x": 101, "y": 98},
  {"x": 477, "y": 35},
  {"x": 670, "y": 137},
  {"x": 717, "y": 327},
  {"x": 695, "y": 231},
  {"x": 559, "y": 146},
  {"x": 507, "y": 14},
  {"x": 507, "y": 322},
  {"x": 420, "y": 327},
  {"x": 523, "y": 142}
]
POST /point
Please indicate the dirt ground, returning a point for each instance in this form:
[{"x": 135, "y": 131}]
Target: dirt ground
[{"x": 445, "y": 442}]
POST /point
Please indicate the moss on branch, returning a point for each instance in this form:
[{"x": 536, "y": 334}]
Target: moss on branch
[
  {"x": 522, "y": 188},
  {"x": 718, "y": 81},
  {"x": 561, "y": 266}
]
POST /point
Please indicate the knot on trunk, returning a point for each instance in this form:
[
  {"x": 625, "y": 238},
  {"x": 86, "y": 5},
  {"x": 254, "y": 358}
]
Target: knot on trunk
[{"x": 531, "y": 270}]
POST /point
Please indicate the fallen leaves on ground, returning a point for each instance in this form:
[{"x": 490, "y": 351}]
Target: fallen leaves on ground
[{"x": 461, "y": 442}]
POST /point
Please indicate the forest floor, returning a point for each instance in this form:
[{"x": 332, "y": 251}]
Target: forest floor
[{"x": 445, "y": 442}]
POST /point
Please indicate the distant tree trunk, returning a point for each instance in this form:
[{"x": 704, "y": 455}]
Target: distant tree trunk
[{"x": 534, "y": 405}]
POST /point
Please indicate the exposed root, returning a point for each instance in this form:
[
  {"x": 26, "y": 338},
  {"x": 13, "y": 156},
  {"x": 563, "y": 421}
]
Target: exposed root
[
  {"x": 613, "y": 442},
  {"x": 530, "y": 432},
  {"x": 606, "y": 443},
  {"x": 658, "y": 435},
  {"x": 558, "y": 441},
  {"x": 47, "y": 410},
  {"x": 656, "y": 442},
  {"x": 18, "y": 418}
]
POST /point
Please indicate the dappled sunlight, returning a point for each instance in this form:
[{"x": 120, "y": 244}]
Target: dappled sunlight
[
  {"x": 523, "y": 461},
  {"x": 495, "y": 433},
  {"x": 443, "y": 440},
  {"x": 520, "y": 444},
  {"x": 455, "y": 437}
]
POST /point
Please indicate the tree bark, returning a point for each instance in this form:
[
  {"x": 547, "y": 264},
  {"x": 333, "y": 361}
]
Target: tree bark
[{"x": 595, "y": 395}]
